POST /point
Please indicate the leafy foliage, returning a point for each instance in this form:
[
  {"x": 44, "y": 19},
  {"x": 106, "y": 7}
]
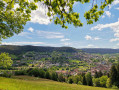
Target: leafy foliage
[
  {"x": 5, "y": 60},
  {"x": 108, "y": 83},
  {"x": 103, "y": 80},
  {"x": 96, "y": 82},
  {"x": 12, "y": 20}
]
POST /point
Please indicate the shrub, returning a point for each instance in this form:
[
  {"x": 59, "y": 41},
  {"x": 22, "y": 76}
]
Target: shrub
[
  {"x": 80, "y": 83},
  {"x": 6, "y": 74},
  {"x": 108, "y": 83},
  {"x": 61, "y": 78},
  {"x": 96, "y": 82},
  {"x": 103, "y": 81},
  {"x": 114, "y": 87},
  {"x": 54, "y": 76},
  {"x": 21, "y": 72},
  {"x": 47, "y": 75},
  {"x": 34, "y": 72},
  {"x": 70, "y": 80}
]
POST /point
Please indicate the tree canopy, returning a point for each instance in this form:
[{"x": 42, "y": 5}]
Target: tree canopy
[
  {"x": 12, "y": 20},
  {"x": 5, "y": 60}
]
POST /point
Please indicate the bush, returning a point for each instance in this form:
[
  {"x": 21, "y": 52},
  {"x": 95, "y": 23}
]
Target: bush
[
  {"x": 54, "y": 76},
  {"x": 96, "y": 82},
  {"x": 70, "y": 80},
  {"x": 61, "y": 78},
  {"x": 34, "y": 72},
  {"x": 103, "y": 81},
  {"x": 6, "y": 74},
  {"x": 41, "y": 73},
  {"x": 80, "y": 83},
  {"x": 47, "y": 75},
  {"x": 114, "y": 87},
  {"x": 21, "y": 72},
  {"x": 108, "y": 83}
]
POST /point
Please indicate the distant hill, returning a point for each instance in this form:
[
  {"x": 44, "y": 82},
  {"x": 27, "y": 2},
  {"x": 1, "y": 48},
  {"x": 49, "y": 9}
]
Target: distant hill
[
  {"x": 100, "y": 50},
  {"x": 14, "y": 49}
]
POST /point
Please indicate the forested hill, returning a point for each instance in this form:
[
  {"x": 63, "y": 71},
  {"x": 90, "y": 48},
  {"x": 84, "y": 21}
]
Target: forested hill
[
  {"x": 100, "y": 50},
  {"x": 14, "y": 49}
]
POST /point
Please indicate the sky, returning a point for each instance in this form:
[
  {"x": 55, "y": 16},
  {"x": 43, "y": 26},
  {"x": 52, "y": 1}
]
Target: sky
[{"x": 41, "y": 32}]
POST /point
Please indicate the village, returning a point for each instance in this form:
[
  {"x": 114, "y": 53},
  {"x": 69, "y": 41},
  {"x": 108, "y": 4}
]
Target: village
[{"x": 73, "y": 64}]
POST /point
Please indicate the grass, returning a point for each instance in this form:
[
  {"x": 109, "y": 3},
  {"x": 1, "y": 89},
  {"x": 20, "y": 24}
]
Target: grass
[{"x": 33, "y": 83}]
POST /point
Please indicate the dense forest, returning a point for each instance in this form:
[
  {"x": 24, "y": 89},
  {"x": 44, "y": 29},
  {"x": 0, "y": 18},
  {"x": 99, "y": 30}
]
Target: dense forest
[{"x": 14, "y": 49}]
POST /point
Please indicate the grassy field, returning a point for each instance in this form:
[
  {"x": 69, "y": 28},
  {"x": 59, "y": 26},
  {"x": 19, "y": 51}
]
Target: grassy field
[{"x": 33, "y": 83}]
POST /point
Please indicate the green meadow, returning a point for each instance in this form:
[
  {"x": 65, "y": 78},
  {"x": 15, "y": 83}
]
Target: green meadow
[{"x": 33, "y": 83}]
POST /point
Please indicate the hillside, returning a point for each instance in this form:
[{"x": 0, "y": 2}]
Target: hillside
[
  {"x": 100, "y": 50},
  {"x": 14, "y": 49},
  {"x": 33, "y": 83}
]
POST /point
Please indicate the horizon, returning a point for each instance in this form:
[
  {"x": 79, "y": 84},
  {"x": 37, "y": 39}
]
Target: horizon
[{"x": 59, "y": 47}]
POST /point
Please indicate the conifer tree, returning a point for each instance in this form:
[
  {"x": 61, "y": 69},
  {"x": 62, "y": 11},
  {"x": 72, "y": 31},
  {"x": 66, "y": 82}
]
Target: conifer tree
[
  {"x": 96, "y": 74},
  {"x": 113, "y": 75},
  {"x": 84, "y": 80},
  {"x": 100, "y": 74}
]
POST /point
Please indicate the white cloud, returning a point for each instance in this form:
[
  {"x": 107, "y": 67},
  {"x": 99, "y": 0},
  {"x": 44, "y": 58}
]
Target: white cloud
[
  {"x": 96, "y": 38},
  {"x": 87, "y": 37},
  {"x": 114, "y": 39},
  {"x": 108, "y": 13},
  {"x": 40, "y": 15},
  {"x": 49, "y": 35},
  {"x": 116, "y": 34},
  {"x": 43, "y": 34},
  {"x": 90, "y": 45},
  {"x": 25, "y": 34},
  {"x": 113, "y": 26},
  {"x": 30, "y": 29},
  {"x": 103, "y": 16},
  {"x": 66, "y": 43},
  {"x": 115, "y": 2},
  {"x": 118, "y": 44},
  {"x": 8, "y": 43},
  {"x": 22, "y": 43},
  {"x": 117, "y": 8},
  {"x": 65, "y": 39}
]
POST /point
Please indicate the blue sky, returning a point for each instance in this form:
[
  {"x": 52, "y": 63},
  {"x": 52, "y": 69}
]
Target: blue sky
[{"x": 41, "y": 32}]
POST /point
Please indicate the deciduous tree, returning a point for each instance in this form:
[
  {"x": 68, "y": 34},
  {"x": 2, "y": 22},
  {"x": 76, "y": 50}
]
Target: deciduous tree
[{"x": 5, "y": 60}]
